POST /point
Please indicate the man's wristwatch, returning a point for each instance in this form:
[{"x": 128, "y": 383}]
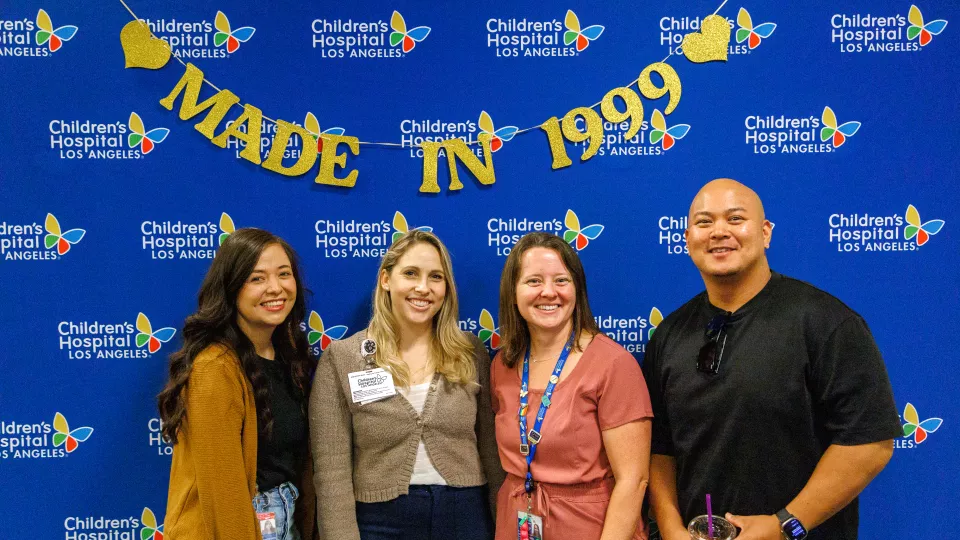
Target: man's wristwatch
[{"x": 790, "y": 526}]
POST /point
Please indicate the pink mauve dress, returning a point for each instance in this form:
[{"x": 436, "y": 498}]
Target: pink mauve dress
[{"x": 605, "y": 390}]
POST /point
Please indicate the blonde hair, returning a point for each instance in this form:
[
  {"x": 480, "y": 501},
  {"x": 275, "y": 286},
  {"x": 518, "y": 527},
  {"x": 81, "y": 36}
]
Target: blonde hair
[{"x": 451, "y": 351}]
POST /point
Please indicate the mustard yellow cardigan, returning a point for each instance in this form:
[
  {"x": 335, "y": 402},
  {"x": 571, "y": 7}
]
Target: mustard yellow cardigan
[{"x": 213, "y": 477}]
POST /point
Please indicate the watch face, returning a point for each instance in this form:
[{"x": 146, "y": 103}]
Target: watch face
[{"x": 794, "y": 529}]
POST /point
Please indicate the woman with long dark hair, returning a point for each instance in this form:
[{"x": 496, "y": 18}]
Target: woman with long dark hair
[{"x": 235, "y": 404}]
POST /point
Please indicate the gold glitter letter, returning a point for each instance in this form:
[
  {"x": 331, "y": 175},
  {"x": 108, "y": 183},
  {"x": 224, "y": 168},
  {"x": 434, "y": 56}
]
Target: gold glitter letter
[
  {"x": 457, "y": 149},
  {"x": 594, "y": 130},
  {"x": 329, "y": 160},
  {"x": 671, "y": 83},
  {"x": 634, "y": 109},
  {"x": 281, "y": 139},
  {"x": 190, "y": 85},
  {"x": 253, "y": 118},
  {"x": 557, "y": 148}
]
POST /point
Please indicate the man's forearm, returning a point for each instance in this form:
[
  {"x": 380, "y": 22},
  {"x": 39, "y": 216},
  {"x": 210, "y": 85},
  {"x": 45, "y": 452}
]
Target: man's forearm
[
  {"x": 841, "y": 474},
  {"x": 663, "y": 497}
]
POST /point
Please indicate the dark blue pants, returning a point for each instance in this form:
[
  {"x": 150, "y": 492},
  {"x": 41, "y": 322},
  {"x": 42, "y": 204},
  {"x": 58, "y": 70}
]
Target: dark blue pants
[{"x": 428, "y": 513}]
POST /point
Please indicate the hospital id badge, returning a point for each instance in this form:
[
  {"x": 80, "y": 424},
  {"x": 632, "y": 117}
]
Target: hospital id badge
[
  {"x": 268, "y": 525},
  {"x": 529, "y": 526},
  {"x": 371, "y": 385}
]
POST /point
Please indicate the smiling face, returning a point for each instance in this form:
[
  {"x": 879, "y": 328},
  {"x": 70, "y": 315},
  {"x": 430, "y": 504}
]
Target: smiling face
[
  {"x": 727, "y": 233},
  {"x": 545, "y": 292},
  {"x": 268, "y": 295},
  {"x": 417, "y": 285}
]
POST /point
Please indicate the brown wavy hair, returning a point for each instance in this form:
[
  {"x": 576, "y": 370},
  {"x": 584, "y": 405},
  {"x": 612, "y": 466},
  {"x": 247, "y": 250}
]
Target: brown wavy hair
[
  {"x": 514, "y": 333},
  {"x": 215, "y": 323}
]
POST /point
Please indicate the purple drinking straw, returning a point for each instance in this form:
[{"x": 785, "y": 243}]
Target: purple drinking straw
[{"x": 709, "y": 517}]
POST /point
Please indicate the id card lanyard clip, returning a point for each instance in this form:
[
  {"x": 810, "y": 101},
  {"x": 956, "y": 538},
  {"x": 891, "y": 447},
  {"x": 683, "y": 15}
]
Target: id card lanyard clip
[{"x": 529, "y": 441}]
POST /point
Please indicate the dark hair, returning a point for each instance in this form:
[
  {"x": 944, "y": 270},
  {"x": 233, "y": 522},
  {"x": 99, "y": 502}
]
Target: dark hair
[
  {"x": 513, "y": 329},
  {"x": 215, "y": 322}
]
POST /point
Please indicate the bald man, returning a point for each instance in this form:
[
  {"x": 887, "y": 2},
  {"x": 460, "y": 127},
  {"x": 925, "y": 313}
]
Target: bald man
[{"x": 768, "y": 393}]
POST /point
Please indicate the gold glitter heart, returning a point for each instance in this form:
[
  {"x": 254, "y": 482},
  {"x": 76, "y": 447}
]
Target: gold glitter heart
[
  {"x": 710, "y": 43},
  {"x": 141, "y": 49}
]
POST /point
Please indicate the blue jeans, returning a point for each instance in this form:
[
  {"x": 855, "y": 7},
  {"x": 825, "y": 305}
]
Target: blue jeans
[
  {"x": 429, "y": 513},
  {"x": 280, "y": 501}
]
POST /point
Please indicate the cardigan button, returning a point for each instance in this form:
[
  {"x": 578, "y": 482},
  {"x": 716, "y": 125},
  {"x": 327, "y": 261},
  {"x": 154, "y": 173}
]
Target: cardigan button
[{"x": 419, "y": 422}]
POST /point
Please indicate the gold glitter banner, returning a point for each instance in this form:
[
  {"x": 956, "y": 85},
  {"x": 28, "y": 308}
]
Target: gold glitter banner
[{"x": 143, "y": 49}]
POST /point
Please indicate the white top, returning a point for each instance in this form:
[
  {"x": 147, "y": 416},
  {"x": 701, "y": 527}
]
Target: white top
[{"x": 424, "y": 473}]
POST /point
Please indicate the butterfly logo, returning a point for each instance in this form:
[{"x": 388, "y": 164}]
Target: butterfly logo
[
  {"x": 146, "y": 139},
  {"x": 64, "y": 436},
  {"x": 579, "y": 238},
  {"x": 310, "y": 124},
  {"x": 840, "y": 133},
  {"x": 655, "y": 319},
  {"x": 913, "y": 426},
  {"x": 488, "y": 330},
  {"x": 324, "y": 336},
  {"x": 925, "y": 31},
  {"x": 148, "y": 337},
  {"x": 500, "y": 136},
  {"x": 915, "y": 227},
  {"x": 233, "y": 38},
  {"x": 150, "y": 530},
  {"x": 226, "y": 227},
  {"x": 574, "y": 33},
  {"x": 663, "y": 135},
  {"x": 750, "y": 33},
  {"x": 400, "y": 226},
  {"x": 63, "y": 240},
  {"x": 47, "y": 35},
  {"x": 409, "y": 38}
]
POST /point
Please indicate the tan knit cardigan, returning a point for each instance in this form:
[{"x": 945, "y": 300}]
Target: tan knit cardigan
[{"x": 366, "y": 453}]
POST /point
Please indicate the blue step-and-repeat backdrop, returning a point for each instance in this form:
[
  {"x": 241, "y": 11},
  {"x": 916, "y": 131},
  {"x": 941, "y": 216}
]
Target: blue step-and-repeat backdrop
[{"x": 104, "y": 238}]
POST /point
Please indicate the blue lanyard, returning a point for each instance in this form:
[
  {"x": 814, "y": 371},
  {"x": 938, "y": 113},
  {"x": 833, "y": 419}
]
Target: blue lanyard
[{"x": 528, "y": 443}]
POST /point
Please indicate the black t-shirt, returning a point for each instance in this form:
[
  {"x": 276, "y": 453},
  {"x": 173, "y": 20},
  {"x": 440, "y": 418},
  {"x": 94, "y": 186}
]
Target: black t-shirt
[
  {"x": 799, "y": 371},
  {"x": 279, "y": 455}
]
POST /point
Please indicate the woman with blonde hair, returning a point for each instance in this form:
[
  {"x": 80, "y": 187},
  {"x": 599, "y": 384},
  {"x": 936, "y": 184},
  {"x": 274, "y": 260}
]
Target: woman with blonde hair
[{"x": 400, "y": 416}]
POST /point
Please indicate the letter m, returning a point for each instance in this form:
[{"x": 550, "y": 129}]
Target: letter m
[{"x": 189, "y": 85}]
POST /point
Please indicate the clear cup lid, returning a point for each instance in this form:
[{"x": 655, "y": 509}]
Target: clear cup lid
[{"x": 722, "y": 529}]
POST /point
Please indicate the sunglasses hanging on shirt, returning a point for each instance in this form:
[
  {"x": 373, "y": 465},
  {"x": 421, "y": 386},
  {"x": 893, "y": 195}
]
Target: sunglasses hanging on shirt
[{"x": 715, "y": 336}]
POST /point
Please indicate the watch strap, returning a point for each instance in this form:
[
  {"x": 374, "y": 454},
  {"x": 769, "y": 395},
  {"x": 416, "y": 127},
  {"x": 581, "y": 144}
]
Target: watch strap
[{"x": 783, "y": 515}]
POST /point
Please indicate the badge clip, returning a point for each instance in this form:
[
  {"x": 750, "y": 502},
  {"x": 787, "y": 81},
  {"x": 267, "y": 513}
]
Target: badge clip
[{"x": 524, "y": 449}]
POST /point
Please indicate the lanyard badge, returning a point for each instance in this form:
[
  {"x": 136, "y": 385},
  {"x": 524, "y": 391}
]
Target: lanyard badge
[{"x": 529, "y": 440}]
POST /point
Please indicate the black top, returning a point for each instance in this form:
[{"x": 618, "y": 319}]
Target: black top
[
  {"x": 800, "y": 371},
  {"x": 278, "y": 456}
]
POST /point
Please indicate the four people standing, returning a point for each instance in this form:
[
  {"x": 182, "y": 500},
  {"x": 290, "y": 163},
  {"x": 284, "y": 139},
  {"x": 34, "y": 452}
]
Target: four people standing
[{"x": 763, "y": 391}]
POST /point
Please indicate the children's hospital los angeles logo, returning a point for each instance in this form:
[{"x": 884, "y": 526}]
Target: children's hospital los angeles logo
[
  {"x": 168, "y": 240},
  {"x": 485, "y": 327},
  {"x": 915, "y": 430},
  {"x": 750, "y": 31},
  {"x": 33, "y": 242},
  {"x": 631, "y": 332},
  {"x": 319, "y": 336},
  {"x": 201, "y": 38},
  {"x": 863, "y": 231},
  {"x": 855, "y": 33},
  {"x": 83, "y": 339},
  {"x": 349, "y": 238},
  {"x": 504, "y": 232},
  {"x": 88, "y": 139},
  {"x": 36, "y": 440},
  {"x": 540, "y": 36},
  {"x": 77, "y": 526},
  {"x": 782, "y": 134},
  {"x": 33, "y": 37},
  {"x": 347, "y": 38}
]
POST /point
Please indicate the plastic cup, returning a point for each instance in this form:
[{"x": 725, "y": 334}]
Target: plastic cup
[{"x": 722, "y": 529}]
